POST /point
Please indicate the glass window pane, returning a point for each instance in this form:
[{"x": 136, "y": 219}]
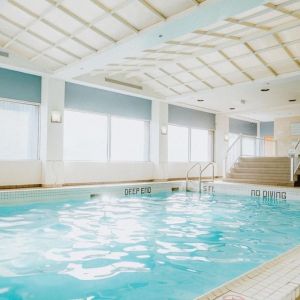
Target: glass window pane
[
  {"x": 85, "y": 136},
  {"x": 178, "y": 143},
  {"x": 201, "y": 145},
  {"x": 19, "y": 127},
  {"x": 129, "y": 139}
]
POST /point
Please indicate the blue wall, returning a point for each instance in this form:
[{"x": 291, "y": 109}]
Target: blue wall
[
  {"x": 20, "y": 86},
  {"x": 190, "y": 117},
  {"x": 85, "y": 98},
  {"x": 266, "y": 129},
  {"x": 242, "y": 127}
]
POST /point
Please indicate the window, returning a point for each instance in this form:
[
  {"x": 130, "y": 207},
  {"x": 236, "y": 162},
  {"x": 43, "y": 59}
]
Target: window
[
  {"x": 178, "y": 143},
  {"x": 129, "y": 140},
  {"x": 189, "y": 144},
  {"x": 19, "y": 128},
  {"x": 201, "y": 145},
  {"x": 85, "y": 136}
]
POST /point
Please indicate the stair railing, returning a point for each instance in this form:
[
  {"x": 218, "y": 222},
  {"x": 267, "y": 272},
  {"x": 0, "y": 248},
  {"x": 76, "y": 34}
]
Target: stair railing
[
  {"x": 295, "y": 160},
  {"x": 251, "y": 146},
  {"x": 232, "y": 155}
]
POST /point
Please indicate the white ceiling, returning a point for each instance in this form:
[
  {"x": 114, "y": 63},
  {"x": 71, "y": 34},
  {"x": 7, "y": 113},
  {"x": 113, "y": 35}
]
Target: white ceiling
[
  {"x": 223, "y": 62},
  {"x": 249, "y": 101}
]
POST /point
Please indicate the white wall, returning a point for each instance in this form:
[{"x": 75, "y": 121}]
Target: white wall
[
  {"x": 95, "y": 172},
  {"x": 20, "y": 173},
  {"x": 282, "y": 134}
]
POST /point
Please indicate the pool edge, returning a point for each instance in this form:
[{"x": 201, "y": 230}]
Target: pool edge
[{"x": 277, "y": 279}]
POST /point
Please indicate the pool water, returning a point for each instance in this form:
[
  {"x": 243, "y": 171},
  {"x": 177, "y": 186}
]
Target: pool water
[{"x": 164, "y": 246}]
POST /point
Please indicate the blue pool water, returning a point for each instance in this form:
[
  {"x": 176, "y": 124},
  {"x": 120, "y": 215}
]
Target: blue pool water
[{"x": 167, "y": 246}]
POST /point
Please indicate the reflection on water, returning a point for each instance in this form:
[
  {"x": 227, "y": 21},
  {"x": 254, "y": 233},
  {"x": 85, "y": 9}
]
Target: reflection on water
[{"x": 175, "y": 245}]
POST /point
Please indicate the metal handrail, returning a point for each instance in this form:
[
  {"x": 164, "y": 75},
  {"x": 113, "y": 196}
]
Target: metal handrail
[
  {"x": 200, "y": 173},
  {"x": 295, "y": 161},
  {"x": 213, "y": 174},
  {"x": 188, "y": 172},
  {"x": 238, "y": 139},
  {"x": 233, "y": 144}
]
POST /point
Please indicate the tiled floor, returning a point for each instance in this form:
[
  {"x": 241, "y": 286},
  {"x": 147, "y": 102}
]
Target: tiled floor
[{"x": 278, "y": 279}]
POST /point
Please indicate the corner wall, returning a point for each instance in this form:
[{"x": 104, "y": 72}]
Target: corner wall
[{"x": 282, "y": 133}]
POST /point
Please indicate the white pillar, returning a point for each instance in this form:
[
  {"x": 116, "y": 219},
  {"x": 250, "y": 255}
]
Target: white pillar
[
  {"x": 53, "y": 98},
  {"x": 221, "y": 141},
  {"x": 159, "y": 140}
]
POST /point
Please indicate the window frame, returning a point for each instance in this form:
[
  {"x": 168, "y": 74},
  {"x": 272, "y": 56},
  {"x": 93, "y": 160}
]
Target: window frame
[
  {"x": 211, "y": 132},
  {"x": 38, "y": 145},
  {"x": 109, "y": 117}
]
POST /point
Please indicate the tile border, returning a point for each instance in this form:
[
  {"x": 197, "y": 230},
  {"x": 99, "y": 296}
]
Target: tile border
[
  {"x": 277, "y": 279},
  {"x": 21, "y": 196}
]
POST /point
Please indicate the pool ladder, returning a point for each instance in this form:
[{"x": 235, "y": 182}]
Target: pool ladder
[{"x": 187, "y": 180}]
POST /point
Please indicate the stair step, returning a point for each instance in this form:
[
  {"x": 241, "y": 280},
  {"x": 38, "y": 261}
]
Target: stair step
[
  {"x": 282, "y": 171},
  {"x": 243, "y": 164},
  {"x": 277, "y": 177},
  {"x": 253, "y": 181},
  {"x": 265, "y": 159}
]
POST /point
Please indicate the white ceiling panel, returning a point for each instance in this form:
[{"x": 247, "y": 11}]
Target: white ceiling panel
[
  {"x": 86, "y": 10},
  {"x": 138, "y": 15},
  {"x": 113, "y": 28},
  {"x": 62, "y": 20},
  {"x": 91, "y": 38},
  {"x": 21, "y": 50},
  {"x": 45, "y": 30},
  {"x": 265, "y": 42},
  {"x": 47, "y": 63},
  {"x": 75, "y": 48},
  {"x": 216, "y": 81},
  {"x": 38, "y": 7},
  {"x": 29, "y": 39},
  {"x": 60, "y": 55},
  {"x": 169, "y": 8},
  {"x": 12, "y": 12},
  {"x": 8, "y": 28}
]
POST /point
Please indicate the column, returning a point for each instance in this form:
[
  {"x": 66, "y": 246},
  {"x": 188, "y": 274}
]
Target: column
[
  {"x": 221, "y": 141},
  {"x": 159, "y": 140},
  {"x": 53, "y": 98}
]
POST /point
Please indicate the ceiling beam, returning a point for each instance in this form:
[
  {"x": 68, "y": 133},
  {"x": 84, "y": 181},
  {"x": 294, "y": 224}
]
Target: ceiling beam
[
  {"x": 206, "y": 14},
  {"x": 223, "y": 46}
]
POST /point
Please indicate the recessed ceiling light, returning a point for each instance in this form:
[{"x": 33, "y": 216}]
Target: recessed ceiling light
[
  {"x": 292, "y": 100},
  {"x": 200, "y": 100},
  {"x": 232, "y": 108},
  {"x": 160, "y": 36},
  {"x": 264, "y": 90}
]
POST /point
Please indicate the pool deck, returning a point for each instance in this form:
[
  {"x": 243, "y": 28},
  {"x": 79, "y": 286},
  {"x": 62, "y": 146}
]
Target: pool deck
[{"x": 278, "y": 279}]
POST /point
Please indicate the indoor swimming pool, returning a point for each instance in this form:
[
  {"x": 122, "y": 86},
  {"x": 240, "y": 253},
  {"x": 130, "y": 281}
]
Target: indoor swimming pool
[{"x": 161, "y": 246}]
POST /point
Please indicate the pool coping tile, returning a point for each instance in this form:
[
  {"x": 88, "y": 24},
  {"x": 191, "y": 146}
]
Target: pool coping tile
[{"x": 277, "y": 279}]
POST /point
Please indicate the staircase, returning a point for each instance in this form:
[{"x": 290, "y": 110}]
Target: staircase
[
  {"x": 260, "y": 165},
  {"x": 261, "y": 170}
]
